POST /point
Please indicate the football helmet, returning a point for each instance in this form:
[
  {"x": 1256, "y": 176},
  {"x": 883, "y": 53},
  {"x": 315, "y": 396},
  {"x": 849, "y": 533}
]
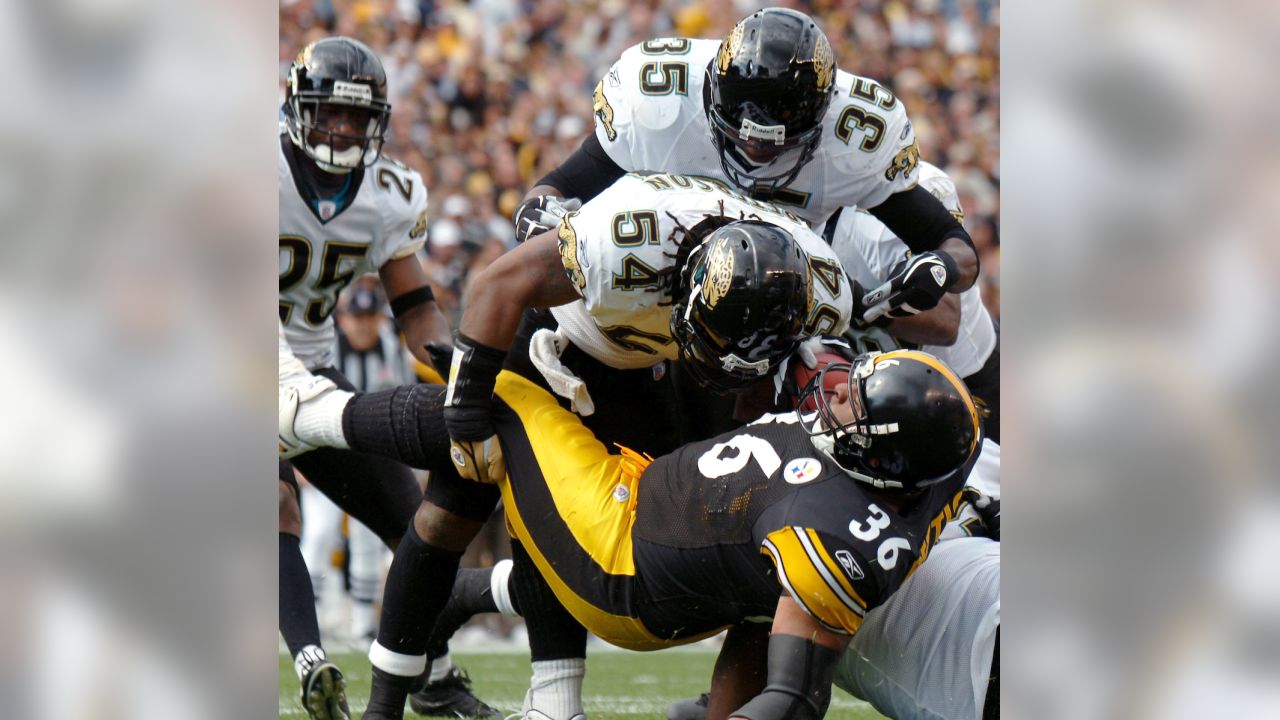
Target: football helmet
[
  {"x": 914, "y": 422},
  {"x": 747, "y": 295},
  {"x": 335, "y": 106},
  {"x": 765, "y": 96}
]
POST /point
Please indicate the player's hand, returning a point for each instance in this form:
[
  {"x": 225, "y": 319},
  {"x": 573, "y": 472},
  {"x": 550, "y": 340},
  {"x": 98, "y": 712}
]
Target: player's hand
[
  {"x": 473, "y": 443},
  {"x": 916, "y": 285},
  {"x": 441, "y": 355},
  {"x": 540, "y": 214},
  {"x": 988, "y": 509}
]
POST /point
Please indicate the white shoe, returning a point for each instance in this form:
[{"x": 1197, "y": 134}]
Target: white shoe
[{"x": 296, "y": 389}]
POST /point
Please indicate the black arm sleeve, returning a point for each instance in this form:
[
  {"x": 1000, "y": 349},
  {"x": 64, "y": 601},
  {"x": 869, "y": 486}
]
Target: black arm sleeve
[
  {"x": 800, "y": 673},
  {"x": 920, "y": 219},
  {"x": 586, "y": 173}
]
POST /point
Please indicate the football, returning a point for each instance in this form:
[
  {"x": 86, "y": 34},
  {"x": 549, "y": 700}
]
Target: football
[{"x": 802, "y": 376}]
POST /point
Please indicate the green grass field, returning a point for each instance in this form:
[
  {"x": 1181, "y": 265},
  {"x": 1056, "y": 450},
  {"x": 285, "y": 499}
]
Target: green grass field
[{"x": 620, "y": 685}]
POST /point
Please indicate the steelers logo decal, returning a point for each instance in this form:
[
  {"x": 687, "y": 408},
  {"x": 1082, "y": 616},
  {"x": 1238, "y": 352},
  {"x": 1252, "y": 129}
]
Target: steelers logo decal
[{"x": 802, "y": 470}]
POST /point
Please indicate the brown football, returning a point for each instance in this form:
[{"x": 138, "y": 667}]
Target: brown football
[{"x": 802, "y": 375}]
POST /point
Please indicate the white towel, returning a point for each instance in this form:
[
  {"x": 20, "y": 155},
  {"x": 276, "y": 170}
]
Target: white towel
[{"x": 545, "y": 348}]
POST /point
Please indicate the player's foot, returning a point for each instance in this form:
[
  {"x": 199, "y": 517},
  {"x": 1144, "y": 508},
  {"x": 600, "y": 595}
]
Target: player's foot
[
  {"x": 689, "y": 708},
  {"x": 451, "y": 696},
  {"x": 324, "y": 692},
  {"x": 539, "y": 715},
  {"x": 294, "y": 390}
]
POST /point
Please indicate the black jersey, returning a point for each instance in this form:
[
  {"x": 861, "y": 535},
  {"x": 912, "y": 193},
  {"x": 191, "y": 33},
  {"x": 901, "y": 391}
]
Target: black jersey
[{"x": 724, "y": 526}]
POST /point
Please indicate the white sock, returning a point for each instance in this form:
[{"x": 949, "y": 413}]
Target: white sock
[
  {"x": 500, "y": 586},
  {"x": 390, "y": 661},
  {"x": 556, "y": 688},
  {"x": 440, "y": 667},
  {"x": 319, "y": 420}
]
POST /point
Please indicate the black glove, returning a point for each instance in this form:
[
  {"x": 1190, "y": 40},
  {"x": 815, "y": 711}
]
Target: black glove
[
  {"x": 540, "y": 214},
  {"x": 915, "y": 285},
  {"x": 468, "y": 406}
]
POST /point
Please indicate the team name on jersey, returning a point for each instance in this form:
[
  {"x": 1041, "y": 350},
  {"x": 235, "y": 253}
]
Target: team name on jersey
[{"x": 665, "y": 181}]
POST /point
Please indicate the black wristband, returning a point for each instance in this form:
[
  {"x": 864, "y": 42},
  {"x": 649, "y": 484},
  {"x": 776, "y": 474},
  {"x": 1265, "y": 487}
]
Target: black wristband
[
  {"x": 412, "y": 299},
  {"x": 799, "y": 681},
  {"x": 473, "y": 373}
]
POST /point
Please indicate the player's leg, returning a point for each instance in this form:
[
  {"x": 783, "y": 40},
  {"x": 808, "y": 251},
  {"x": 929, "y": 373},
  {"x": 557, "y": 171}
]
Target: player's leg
[
  {"x": 475, "y": 591},
  {"x": 419, "y": 585},
  {"x": 323, "y": 687},
  {"x": 321, "y": 534},
  {"x": 365, "y": 569}
]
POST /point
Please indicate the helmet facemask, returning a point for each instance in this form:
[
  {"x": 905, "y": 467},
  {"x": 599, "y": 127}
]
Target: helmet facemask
[
  {"x": 861, "y": 444},
  {"x": 757, "y": 155},
  {"x": 311, "y": 118}
]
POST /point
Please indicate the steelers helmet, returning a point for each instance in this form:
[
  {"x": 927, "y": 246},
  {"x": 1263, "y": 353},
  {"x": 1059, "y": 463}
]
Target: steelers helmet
[
  {"x": 747, "y": 295},
  {"x": 330, "y": 77},
  {"x": 914, "y": 422},
  {"x": 766, "y": 94}
]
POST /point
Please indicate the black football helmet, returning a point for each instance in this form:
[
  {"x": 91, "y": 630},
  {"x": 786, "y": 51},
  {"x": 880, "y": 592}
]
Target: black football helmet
[
  {"x": 914, "y": 422},
  {"x": 766, "y": 94},
  {"x": 747, "y": 295},
  {"x": 329, "y": 79}
]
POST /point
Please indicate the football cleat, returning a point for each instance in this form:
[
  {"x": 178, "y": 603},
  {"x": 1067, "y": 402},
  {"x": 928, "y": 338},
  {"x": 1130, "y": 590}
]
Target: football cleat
[
  {"x": 324, "y": 692},
  {"x": 689, "y": 708},
  {"x": 451, "y": 696},
  {"x": 293, "y": 392}
]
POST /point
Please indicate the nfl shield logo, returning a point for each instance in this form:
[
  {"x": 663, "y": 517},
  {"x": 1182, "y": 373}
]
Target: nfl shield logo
[
  {"x": 659, "y": 371},
  {"x": 327, "y": 208}
]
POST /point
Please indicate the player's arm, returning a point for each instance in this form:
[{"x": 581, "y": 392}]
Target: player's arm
[
  {"x": 938, "y": 326},
  {"x": 802, "y": 660},
  {"x": 739, "y": 673},
  {"x": 531, "y": 275},
  {"x": 414, "y": 306},
  {"x": 926, "y": 226}
]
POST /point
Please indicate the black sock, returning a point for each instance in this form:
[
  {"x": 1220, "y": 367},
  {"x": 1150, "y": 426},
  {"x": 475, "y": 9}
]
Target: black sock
[
  {"x": 298, "y": 622},
  {"x": 472, "y": 595},
  {"x": 387, "y": 695},
  {"x": 406, "y": 423},
  {"x": 418, "y": 587},
  {"x": 554, "y": 634}
]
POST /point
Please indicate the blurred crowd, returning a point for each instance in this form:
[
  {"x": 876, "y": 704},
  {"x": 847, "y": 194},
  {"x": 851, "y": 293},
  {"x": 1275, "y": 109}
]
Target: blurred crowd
[{"x": 489, "y": 95}]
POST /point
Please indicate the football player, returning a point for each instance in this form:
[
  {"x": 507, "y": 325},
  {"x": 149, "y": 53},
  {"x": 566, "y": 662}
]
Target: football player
[
  {"x": 843, "y": 503},
  {"x": 612, "y": 277},
  {"x": 959, "y": 330},
  {"x": 344, "y": 210},
  {"x": 767, "y": 110}
]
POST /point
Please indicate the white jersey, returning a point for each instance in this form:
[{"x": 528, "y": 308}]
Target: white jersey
[
  {"x": 649, "y": 116},
  {"x": 870, "y": 251},
  {"x": 323, "y": 245},
  {"x": 618, "y": 248},
  {"x": 925, "y": 654}
]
